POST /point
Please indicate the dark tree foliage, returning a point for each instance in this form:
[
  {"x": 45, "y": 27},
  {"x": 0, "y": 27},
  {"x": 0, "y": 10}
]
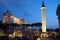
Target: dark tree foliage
[
  {"x": 2, "y": 26},
  {"x": 36, "y": 24},
  {"x": 57, "y": 30}
]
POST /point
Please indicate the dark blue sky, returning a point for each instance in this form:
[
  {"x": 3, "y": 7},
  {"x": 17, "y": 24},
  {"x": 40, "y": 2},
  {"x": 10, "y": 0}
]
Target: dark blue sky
[{"x": 30, "y": 10}]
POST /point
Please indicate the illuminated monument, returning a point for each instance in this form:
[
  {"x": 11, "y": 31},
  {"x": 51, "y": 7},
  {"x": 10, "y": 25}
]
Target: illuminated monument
[
  {"x": 9, "y": 18},
  {"x": 58, "y": 14},
  {"x": 44, "y": 34},
  {"x": 43, "y": 18}
]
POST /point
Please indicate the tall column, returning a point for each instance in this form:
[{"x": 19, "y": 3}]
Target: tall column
[
  {"x": 44, "y": 33},
  {"x": 43, "y": 18}
]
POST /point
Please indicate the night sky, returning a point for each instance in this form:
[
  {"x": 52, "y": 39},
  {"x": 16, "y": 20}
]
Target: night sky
[{"x": 30, "y": 10}]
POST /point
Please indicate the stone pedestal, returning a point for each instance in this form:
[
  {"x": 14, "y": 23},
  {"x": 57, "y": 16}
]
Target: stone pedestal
[{"x": 44, "y": 35}]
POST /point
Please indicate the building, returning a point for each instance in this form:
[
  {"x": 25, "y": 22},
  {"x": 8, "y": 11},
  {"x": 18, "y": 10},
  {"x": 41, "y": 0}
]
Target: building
[{"x": 9, "y": 18}]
